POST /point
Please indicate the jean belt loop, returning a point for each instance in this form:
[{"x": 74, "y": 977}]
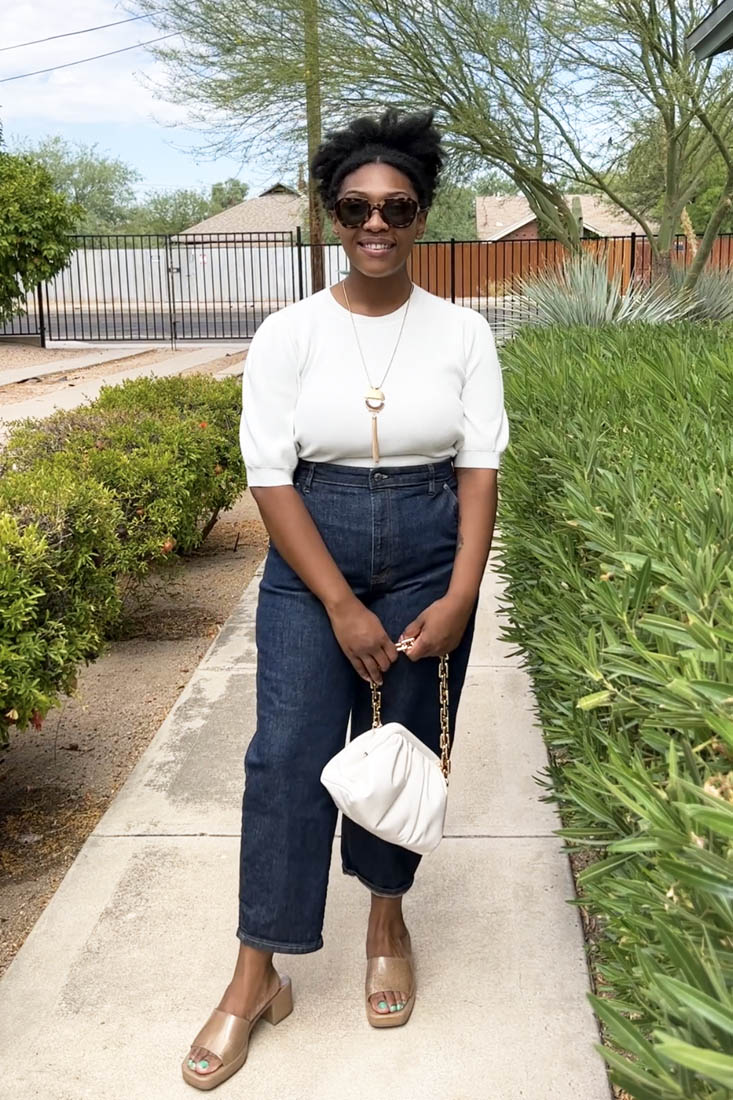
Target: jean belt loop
[
  {"x": 431, "y": 479},
  {"x": 309, "y": 477}
]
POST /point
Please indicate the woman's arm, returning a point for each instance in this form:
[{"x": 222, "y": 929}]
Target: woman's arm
[
  {"x": 477, "y": 503},
  {"x": 358, "y": 630}
]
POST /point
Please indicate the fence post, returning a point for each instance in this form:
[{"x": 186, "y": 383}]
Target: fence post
[
  {"x": 41, "y": 315},
  {"x": 299, "y": 246},
  {"x": 632, "y": 258},
  {"x": 452, "y": 269},
  {"x": 171, "y": 271}
]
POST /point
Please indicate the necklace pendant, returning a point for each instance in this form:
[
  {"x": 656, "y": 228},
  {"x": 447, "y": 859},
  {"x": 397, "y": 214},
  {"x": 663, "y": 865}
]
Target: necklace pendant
[
  {"x": 375, "y": 440},
  {"x": 374, "y": 399}
]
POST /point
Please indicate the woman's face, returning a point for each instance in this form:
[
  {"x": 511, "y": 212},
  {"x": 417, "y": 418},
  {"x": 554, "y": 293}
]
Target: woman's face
[{"x": 376, "y": 182}]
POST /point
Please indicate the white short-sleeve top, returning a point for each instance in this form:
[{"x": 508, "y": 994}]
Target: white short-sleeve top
[{"x": 304, "y": 385}]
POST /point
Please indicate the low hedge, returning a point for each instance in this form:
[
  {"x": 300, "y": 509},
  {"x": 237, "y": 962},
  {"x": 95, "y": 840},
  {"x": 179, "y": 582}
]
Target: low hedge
[
  {"x": 616, "y": 518},
  {"x": 95, "y": 496}
]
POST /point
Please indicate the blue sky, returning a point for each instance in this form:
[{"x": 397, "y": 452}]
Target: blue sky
[{"x": 105, "y": 101}]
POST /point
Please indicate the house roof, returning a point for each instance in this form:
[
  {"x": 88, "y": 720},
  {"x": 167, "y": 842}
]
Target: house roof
[
  {"x": 499, "y": 215},
  {"x": 279, "y": 208},
  {"x": 714, "y": 34}
]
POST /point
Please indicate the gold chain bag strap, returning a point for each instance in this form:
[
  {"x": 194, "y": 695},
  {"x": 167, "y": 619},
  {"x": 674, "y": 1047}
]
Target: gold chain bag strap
[
  {"x": 388, "y": 781},
  {"x": 444, "y": 727}
]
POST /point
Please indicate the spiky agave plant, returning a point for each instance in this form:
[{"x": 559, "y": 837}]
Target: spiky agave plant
[
  {"x": 712, "y": 294},
  {"x": 581, "y": 292}
]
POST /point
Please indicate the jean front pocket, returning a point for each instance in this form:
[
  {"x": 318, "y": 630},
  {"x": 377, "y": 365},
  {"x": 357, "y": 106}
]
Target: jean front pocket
[{"x": 451, "y": 493}]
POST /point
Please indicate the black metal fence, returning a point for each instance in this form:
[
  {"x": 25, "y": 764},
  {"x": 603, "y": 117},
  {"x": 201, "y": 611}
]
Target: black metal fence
[{"x": 220, "y": 286}]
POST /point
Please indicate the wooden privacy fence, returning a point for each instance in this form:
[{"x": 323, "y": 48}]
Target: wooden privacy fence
[{"x": 494, "y": 269}]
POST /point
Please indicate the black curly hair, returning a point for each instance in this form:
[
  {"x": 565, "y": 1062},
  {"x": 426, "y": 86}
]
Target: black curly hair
[{"x": 409, "y": 142}]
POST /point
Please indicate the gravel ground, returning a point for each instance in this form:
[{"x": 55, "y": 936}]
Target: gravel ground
[
  {"x": 57, "y": 782},
  {"x": 28, "y": 355}
]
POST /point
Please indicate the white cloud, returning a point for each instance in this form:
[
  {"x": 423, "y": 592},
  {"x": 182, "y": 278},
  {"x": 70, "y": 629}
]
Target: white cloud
[{"x": 108, "y": 89}]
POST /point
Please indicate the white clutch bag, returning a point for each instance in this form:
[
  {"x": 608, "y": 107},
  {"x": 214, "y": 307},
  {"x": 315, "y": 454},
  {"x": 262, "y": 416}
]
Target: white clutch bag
[{"x": 390, "y": 783}]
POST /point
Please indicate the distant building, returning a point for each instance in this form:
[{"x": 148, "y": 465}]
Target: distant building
[
  {"x": 509, "y": 218},
  {"x": 279, "y": 208}
]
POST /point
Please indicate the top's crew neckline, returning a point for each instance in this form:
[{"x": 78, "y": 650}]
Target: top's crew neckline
[{"x": 367, "y": 317}]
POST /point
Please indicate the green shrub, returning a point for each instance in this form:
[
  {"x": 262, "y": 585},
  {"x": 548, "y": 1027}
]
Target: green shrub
[
  {"x": 58, "y": 564},
  {"x": 90, "y": 497},
  {"x": 616, "y": 517},
  {"x": 162, "y": 446}
]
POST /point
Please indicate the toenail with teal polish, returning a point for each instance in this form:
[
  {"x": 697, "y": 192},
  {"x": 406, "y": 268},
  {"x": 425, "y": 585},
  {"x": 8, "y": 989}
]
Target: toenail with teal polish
[
  {"x": 191, "y": 1063},
  {"x": 203, "y": 1064},
  {"x": 382, "y": 1004},
  {"x": 393, "y": 1008}
]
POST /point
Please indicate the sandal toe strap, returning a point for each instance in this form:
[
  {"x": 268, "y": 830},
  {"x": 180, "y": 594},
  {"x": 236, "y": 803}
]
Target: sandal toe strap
[
  {"x": 224, "y": 1034},
  {"x": 388, "y": 972}
]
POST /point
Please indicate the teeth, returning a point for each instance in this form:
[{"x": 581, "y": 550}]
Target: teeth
[{"x": 375, "y": 247}]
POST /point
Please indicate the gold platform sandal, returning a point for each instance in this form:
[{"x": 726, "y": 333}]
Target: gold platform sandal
[
  {"x": 227, "y": 1036},
  {"x": 390, "y": 972}
]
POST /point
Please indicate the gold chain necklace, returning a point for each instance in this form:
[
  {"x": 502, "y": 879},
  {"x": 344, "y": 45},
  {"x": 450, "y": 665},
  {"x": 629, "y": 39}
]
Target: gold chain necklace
[{"x": 374, "y": 398}]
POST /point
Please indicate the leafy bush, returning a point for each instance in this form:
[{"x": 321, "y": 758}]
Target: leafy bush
[
  {"x": 162, "y": 446},
  {"x": 581, "y": 292},
  {"x": 617, "y": 546},
  {"x": 58, "y": 567},
  {"x": 35, "y": 223},
  {"x": 94, "y": 496}
]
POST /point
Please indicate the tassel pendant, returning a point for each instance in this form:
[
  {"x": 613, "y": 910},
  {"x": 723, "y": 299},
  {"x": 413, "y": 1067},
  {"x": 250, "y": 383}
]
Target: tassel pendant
[{"x": 375, "y": 440}]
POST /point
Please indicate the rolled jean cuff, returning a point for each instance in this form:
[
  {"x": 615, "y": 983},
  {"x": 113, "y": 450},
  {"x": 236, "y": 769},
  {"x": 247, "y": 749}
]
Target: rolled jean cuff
[
  {"x": 282, "y": 948},
  {"x": 378, "y": 890}
]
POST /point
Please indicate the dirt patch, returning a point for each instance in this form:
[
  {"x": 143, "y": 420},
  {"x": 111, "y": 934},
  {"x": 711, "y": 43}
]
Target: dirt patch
[
  {"x": 50, "y": 383},
  {"x": 57, "y": 782},
  {"x": 14, "y": 354}
]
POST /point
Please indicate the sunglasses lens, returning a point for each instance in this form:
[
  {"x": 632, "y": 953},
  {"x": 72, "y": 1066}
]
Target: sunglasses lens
[
  {"x": 352, "y": 212},
  {"x": 399, "y": 213}
]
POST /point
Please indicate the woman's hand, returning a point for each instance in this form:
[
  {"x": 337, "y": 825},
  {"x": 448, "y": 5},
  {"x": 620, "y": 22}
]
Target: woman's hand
[
  {"x": 438, "y": 629},
  {"x": 363, "y": 639}
]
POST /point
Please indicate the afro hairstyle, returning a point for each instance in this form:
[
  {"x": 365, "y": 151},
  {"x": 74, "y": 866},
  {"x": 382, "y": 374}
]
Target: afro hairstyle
[{"x": 409, "y": 142}]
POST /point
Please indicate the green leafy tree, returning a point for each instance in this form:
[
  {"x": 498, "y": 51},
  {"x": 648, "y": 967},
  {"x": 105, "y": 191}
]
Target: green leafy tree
[
  {"x": 168, "y": 212},
  {"x": 36, "y": 221},
  {"x": 642, "y": 170},
  {"x": 226, "y": 194},
  {"x": 102, "y": 186},
  {"x": 453, "y": 214}
]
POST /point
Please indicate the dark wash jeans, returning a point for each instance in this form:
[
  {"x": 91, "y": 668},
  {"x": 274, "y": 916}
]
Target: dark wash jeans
[{"x": 392, "y": 531}]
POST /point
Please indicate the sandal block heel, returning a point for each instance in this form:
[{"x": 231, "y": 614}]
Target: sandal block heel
[{"x": 282, "y": 1005}]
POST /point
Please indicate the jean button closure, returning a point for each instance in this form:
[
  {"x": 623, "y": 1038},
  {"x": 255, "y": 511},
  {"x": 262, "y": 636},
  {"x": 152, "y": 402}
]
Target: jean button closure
[{"x": 379, "y": 477}]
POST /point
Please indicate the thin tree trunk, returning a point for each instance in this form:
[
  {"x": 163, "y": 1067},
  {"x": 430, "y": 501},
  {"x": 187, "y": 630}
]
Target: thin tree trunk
[
  {"x": 711, "y": 231},
  {"x": 313, "y": 122},
  {"x": 689, "y": 232}
]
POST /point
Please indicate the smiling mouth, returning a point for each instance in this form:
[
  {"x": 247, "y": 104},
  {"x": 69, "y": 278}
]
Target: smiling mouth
[{"x": 375, "y": 248}]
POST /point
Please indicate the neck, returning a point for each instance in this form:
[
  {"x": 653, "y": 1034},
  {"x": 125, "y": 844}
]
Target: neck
[{"x": 376, "y": 296}]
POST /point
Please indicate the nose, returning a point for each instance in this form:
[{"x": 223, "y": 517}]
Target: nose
[{"x": 379, "y": 224}]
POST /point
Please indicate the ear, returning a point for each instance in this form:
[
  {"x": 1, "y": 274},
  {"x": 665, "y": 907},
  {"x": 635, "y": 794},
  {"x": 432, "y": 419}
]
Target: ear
[{"x": 421, "y": 222}]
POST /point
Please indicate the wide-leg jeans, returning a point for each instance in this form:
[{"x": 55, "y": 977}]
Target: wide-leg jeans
[{"x": 392, "y": 531}]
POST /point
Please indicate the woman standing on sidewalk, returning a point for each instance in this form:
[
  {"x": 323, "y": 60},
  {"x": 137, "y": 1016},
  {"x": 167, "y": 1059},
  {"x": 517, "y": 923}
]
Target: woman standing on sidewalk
[{"x": 372, "y": 427}]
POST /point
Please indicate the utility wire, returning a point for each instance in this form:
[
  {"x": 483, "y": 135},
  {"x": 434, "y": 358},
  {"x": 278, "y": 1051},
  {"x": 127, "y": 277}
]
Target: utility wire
[
  {"x": 83, "y": 60},
  {"x": 69, "y": 34}
]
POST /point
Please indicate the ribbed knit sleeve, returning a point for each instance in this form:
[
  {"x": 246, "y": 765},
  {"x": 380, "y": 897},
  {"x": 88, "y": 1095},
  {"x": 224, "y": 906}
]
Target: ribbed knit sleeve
[
  {"x": 269, "y": 394},
  {"x": 485, "y": 424}
]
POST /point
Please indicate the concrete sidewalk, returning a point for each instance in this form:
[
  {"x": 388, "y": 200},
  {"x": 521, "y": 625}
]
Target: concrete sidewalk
[{"x": 138, "y": 943}]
